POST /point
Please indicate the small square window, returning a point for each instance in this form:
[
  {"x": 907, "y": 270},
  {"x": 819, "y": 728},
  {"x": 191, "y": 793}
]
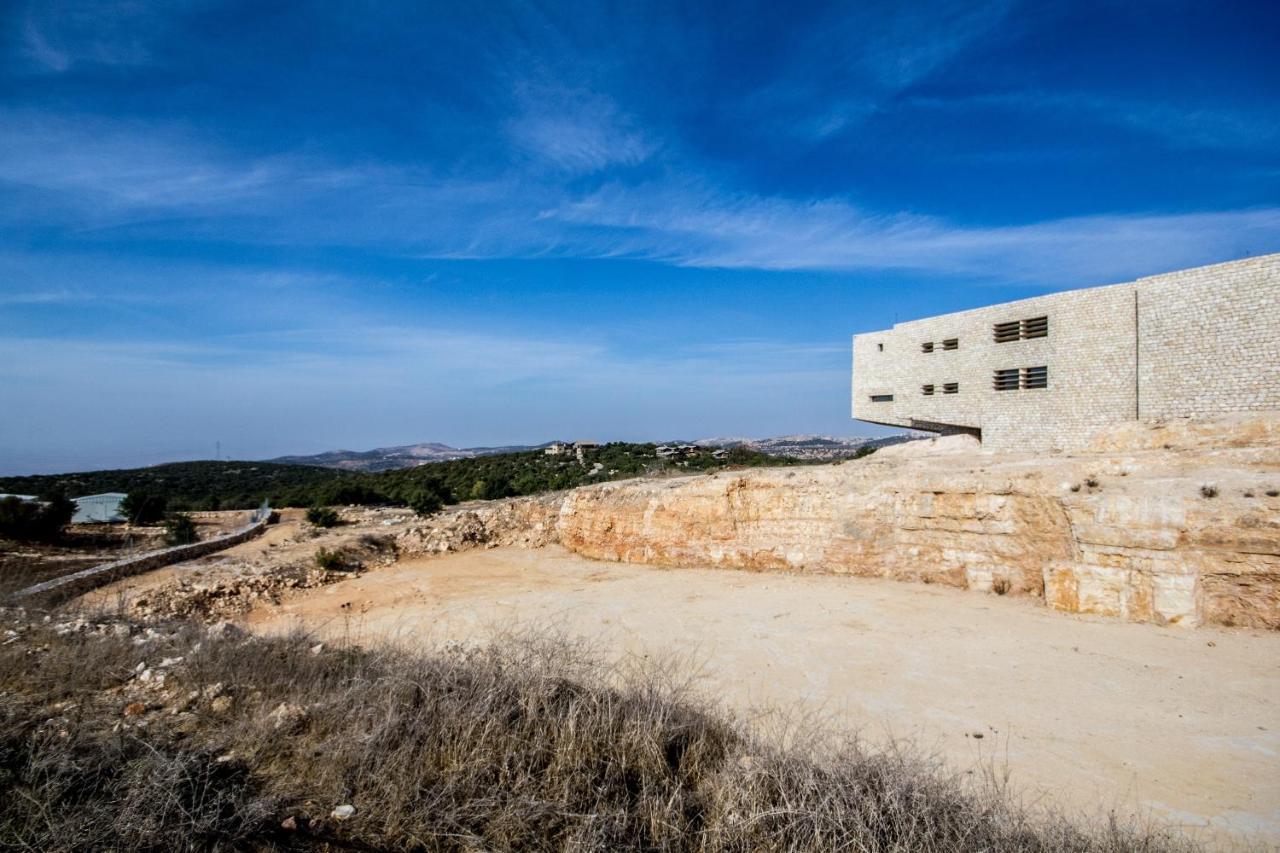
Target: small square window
[{"x": 951, "y": 388}]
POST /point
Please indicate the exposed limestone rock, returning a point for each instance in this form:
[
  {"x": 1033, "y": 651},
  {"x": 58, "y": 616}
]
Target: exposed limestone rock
[{"x": 1123, "y": 532}]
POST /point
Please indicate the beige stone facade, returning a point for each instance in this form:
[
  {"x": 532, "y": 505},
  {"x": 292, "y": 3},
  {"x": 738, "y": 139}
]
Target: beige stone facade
[{"x": 1203, "y": 341}]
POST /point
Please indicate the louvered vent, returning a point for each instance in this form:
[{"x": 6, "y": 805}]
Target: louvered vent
[
  {"x": 927, "y": 347},
  {"x": 1006, "y": 380},
  {"x": 1035, "y": 377},
  {"x": 926, "y": 390},
  {"x": 951, "y": 343},
  {"x": 1036, "y": 327},
  {"x": 1010, "y": 331},
  {"x": 951, "y": 388}
]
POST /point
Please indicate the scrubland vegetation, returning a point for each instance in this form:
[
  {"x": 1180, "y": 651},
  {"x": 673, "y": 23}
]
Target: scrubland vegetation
[
  {"x": 118, "y": 737},
  {"x": 185, "y": 486}
]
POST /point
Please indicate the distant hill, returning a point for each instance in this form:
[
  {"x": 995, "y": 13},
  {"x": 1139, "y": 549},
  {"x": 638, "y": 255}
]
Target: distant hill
[
  {"x": 809, "y": 447},
  {"x": 189, "y": 485},
  {"x": 393, "y": 458},
  {"x": 403, "y": 474},
  {"x": 813, "y": 448}
]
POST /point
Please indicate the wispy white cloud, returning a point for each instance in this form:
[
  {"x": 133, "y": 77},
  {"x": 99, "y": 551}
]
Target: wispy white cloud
[
  {"x": 844, "y": 67},
  {"x": 577, "y": 131},
  {"x": 115, "y": 173},
  {"x": 1177, "y": 123},
  {"x": 680, "y": 225},
  {"x": 123, "y": 163},
  {"x": 58, "y": 36}
]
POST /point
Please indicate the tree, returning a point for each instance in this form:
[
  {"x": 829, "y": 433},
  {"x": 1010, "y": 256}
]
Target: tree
[
  {"x": 144, "y": 507},
  {"x": 35, "y": 520},
  {"x": 180, "y": 529}
]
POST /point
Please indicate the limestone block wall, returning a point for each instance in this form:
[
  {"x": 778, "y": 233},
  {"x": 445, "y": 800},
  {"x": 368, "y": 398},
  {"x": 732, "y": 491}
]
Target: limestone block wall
[
  {"x": 1198, "y": 342},
  {"x": 1090, "y": 353},
  {"x": 1210, "y": 340}
]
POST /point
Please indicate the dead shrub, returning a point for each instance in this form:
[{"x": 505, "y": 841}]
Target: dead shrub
[
  {"x": 331, "y": 560},
  {"x": 1000, "y": 586},
  {"x": 1208, "y": 491},
  {"x": 524, "y": 745}
]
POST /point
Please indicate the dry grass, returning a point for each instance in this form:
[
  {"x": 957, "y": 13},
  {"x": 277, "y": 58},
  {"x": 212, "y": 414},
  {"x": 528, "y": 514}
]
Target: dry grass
[{"x": 519, "y": 746}]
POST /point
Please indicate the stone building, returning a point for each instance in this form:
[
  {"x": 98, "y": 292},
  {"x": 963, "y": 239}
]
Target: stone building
[{"x": 1043, "y": 374}]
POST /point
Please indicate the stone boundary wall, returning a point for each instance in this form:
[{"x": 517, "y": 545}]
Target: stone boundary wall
[{"x": 93, "y": 577}]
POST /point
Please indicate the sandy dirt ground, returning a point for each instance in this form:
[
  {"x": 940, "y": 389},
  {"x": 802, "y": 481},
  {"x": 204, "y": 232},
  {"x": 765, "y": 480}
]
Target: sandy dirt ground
[{"x": 1087, "y": 714}]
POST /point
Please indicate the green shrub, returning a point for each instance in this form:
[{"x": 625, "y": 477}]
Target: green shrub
[
  {"x": 322, "y": 516},
  {"x": 426, "y": 503},
  {"x": 180, "y": 529}
]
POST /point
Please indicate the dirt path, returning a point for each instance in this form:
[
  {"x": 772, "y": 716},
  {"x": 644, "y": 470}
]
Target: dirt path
[{"x": 1092, "y": 714}]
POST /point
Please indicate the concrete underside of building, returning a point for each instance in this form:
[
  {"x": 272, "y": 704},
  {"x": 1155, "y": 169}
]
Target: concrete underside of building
[{"x": 1043, "y": 374}]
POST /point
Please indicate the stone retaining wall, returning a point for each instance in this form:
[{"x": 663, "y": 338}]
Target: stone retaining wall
[{"x": 81, "y": 582}]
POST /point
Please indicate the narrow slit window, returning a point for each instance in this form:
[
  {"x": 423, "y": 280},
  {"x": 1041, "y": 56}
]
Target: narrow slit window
[
  {"x": 927, "y": 347},
  {"x": 1006, "y": 380},
  {"x": 1035, "y": 377},
  {"x": 951, "y": 343},
  {"x": 881, "y": 347},
  {"x": 951, "y": 388},
  {"x": 926, "y": 390},
  {"x": 882, "y": 398}
]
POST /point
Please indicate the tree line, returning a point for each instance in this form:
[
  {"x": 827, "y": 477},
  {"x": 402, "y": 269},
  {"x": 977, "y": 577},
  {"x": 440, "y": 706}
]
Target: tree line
[{"x": 161, "y": 490}]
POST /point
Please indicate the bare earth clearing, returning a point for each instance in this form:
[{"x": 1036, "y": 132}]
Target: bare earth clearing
[
  {"x": 1086, "y": 713},
  {"x": 1091, "y": 713}
]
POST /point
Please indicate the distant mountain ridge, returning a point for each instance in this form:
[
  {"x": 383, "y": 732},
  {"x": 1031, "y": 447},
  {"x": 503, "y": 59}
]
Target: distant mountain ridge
[
  {"x": 391, "y": 458},
  {"x": 814, "y": 447}
]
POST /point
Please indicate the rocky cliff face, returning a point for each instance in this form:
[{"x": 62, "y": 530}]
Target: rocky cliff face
[{"x": 1171, "y": 523}]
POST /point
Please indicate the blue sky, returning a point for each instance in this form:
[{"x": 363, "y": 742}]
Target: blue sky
[{"x": 363, "y": 224}]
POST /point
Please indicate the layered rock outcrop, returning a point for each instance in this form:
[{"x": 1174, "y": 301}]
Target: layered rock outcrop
[{"x": 1168, "y": 522}]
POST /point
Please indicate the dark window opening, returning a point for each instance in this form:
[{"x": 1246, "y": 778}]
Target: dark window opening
[
  {"x": 882, "y": 398},
  {"x": 951, "y": 388},
  {"x": 927, "y": 347},
  {"x": 951, "y": 343},
  {"x": 927, "y": 390},
  {"x": 1035, "y": 377},
  {"x": 1006, "y": 380},
  {"x": 881, "y": 347}
]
